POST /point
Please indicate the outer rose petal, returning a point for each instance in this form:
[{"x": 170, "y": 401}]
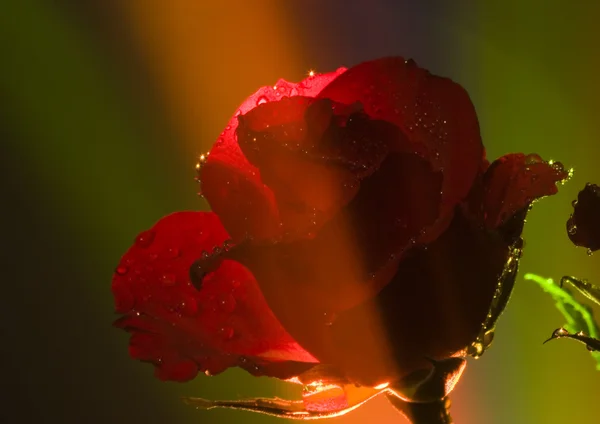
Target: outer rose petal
[
  {"x": 182, "y": 330},
  {"x": 583, "y": 226},
  {"x": 435, "y": 113},
  {"x": 232, "y": 185},
  {"x": 514, "y": 181}
]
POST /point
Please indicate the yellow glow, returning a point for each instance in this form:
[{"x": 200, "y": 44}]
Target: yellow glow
[
  {"x": 311, "y": 73},
  {"x": 193, "y": 53},
  {"x": 382, "y": 386}
]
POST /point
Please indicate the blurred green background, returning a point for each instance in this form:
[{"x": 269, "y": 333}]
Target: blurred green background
[{"x": 104, "y": 106}]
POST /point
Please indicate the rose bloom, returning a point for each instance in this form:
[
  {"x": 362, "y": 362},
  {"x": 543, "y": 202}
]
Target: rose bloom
[
  {"x": 358, "y": 240},
  {"x": 583, "y": 226}
]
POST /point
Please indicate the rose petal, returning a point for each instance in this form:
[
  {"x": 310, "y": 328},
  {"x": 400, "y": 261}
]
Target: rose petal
[
  {"x": 583, "y": 227},
  {"x": 435, "y": 113},
  {"x": 433, "y": 307},
  {"x": 514, "y": 181},
  {"x": 225, "y": 323},
  {"x": 232, "y": 186},
  {"x": 307, "y": 282},
  {"x": 313, "y": 155}
]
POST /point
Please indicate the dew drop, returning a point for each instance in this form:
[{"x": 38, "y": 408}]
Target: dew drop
[
  {"x": 121, "y": 270},
  {"x": 560, "y": 332},
  {"x": 476, "y": 350},
  {"x": 202, "y": 159},
  {"x": 168, "y": 279},
  {"x": 261, "y": 100},
  {"x": 227, "y": 303},
  {"x": 590, "y": 252},
  {"x": 571, "y": 228}
]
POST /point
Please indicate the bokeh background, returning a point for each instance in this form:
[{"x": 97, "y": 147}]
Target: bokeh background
[{"x": 105, "y": 105}]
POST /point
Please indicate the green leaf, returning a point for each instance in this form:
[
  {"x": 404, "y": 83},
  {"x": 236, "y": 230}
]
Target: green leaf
[{"x": 579, "y": 318}]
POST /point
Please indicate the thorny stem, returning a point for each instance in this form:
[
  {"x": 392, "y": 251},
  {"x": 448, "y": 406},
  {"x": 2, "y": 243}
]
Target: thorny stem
[{"x": 437, "y": 412}]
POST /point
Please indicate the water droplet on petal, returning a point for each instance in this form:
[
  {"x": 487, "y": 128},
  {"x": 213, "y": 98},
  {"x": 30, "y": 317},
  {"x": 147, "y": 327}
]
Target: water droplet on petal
[
  {"x": 202, "y": 159},
  {"x": 144, "y": 239},
  {"x": 121, "y": 270},
  {"x": 261, "y": 100},
  {"x": 590, "y": 252},
  {"x": 476, "y": 350}
]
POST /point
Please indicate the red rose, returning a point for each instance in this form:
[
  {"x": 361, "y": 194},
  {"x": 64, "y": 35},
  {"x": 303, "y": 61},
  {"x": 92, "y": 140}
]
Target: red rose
[
  {"x": 357, "y": 231},
  {"x": 583, "y": 226}
]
